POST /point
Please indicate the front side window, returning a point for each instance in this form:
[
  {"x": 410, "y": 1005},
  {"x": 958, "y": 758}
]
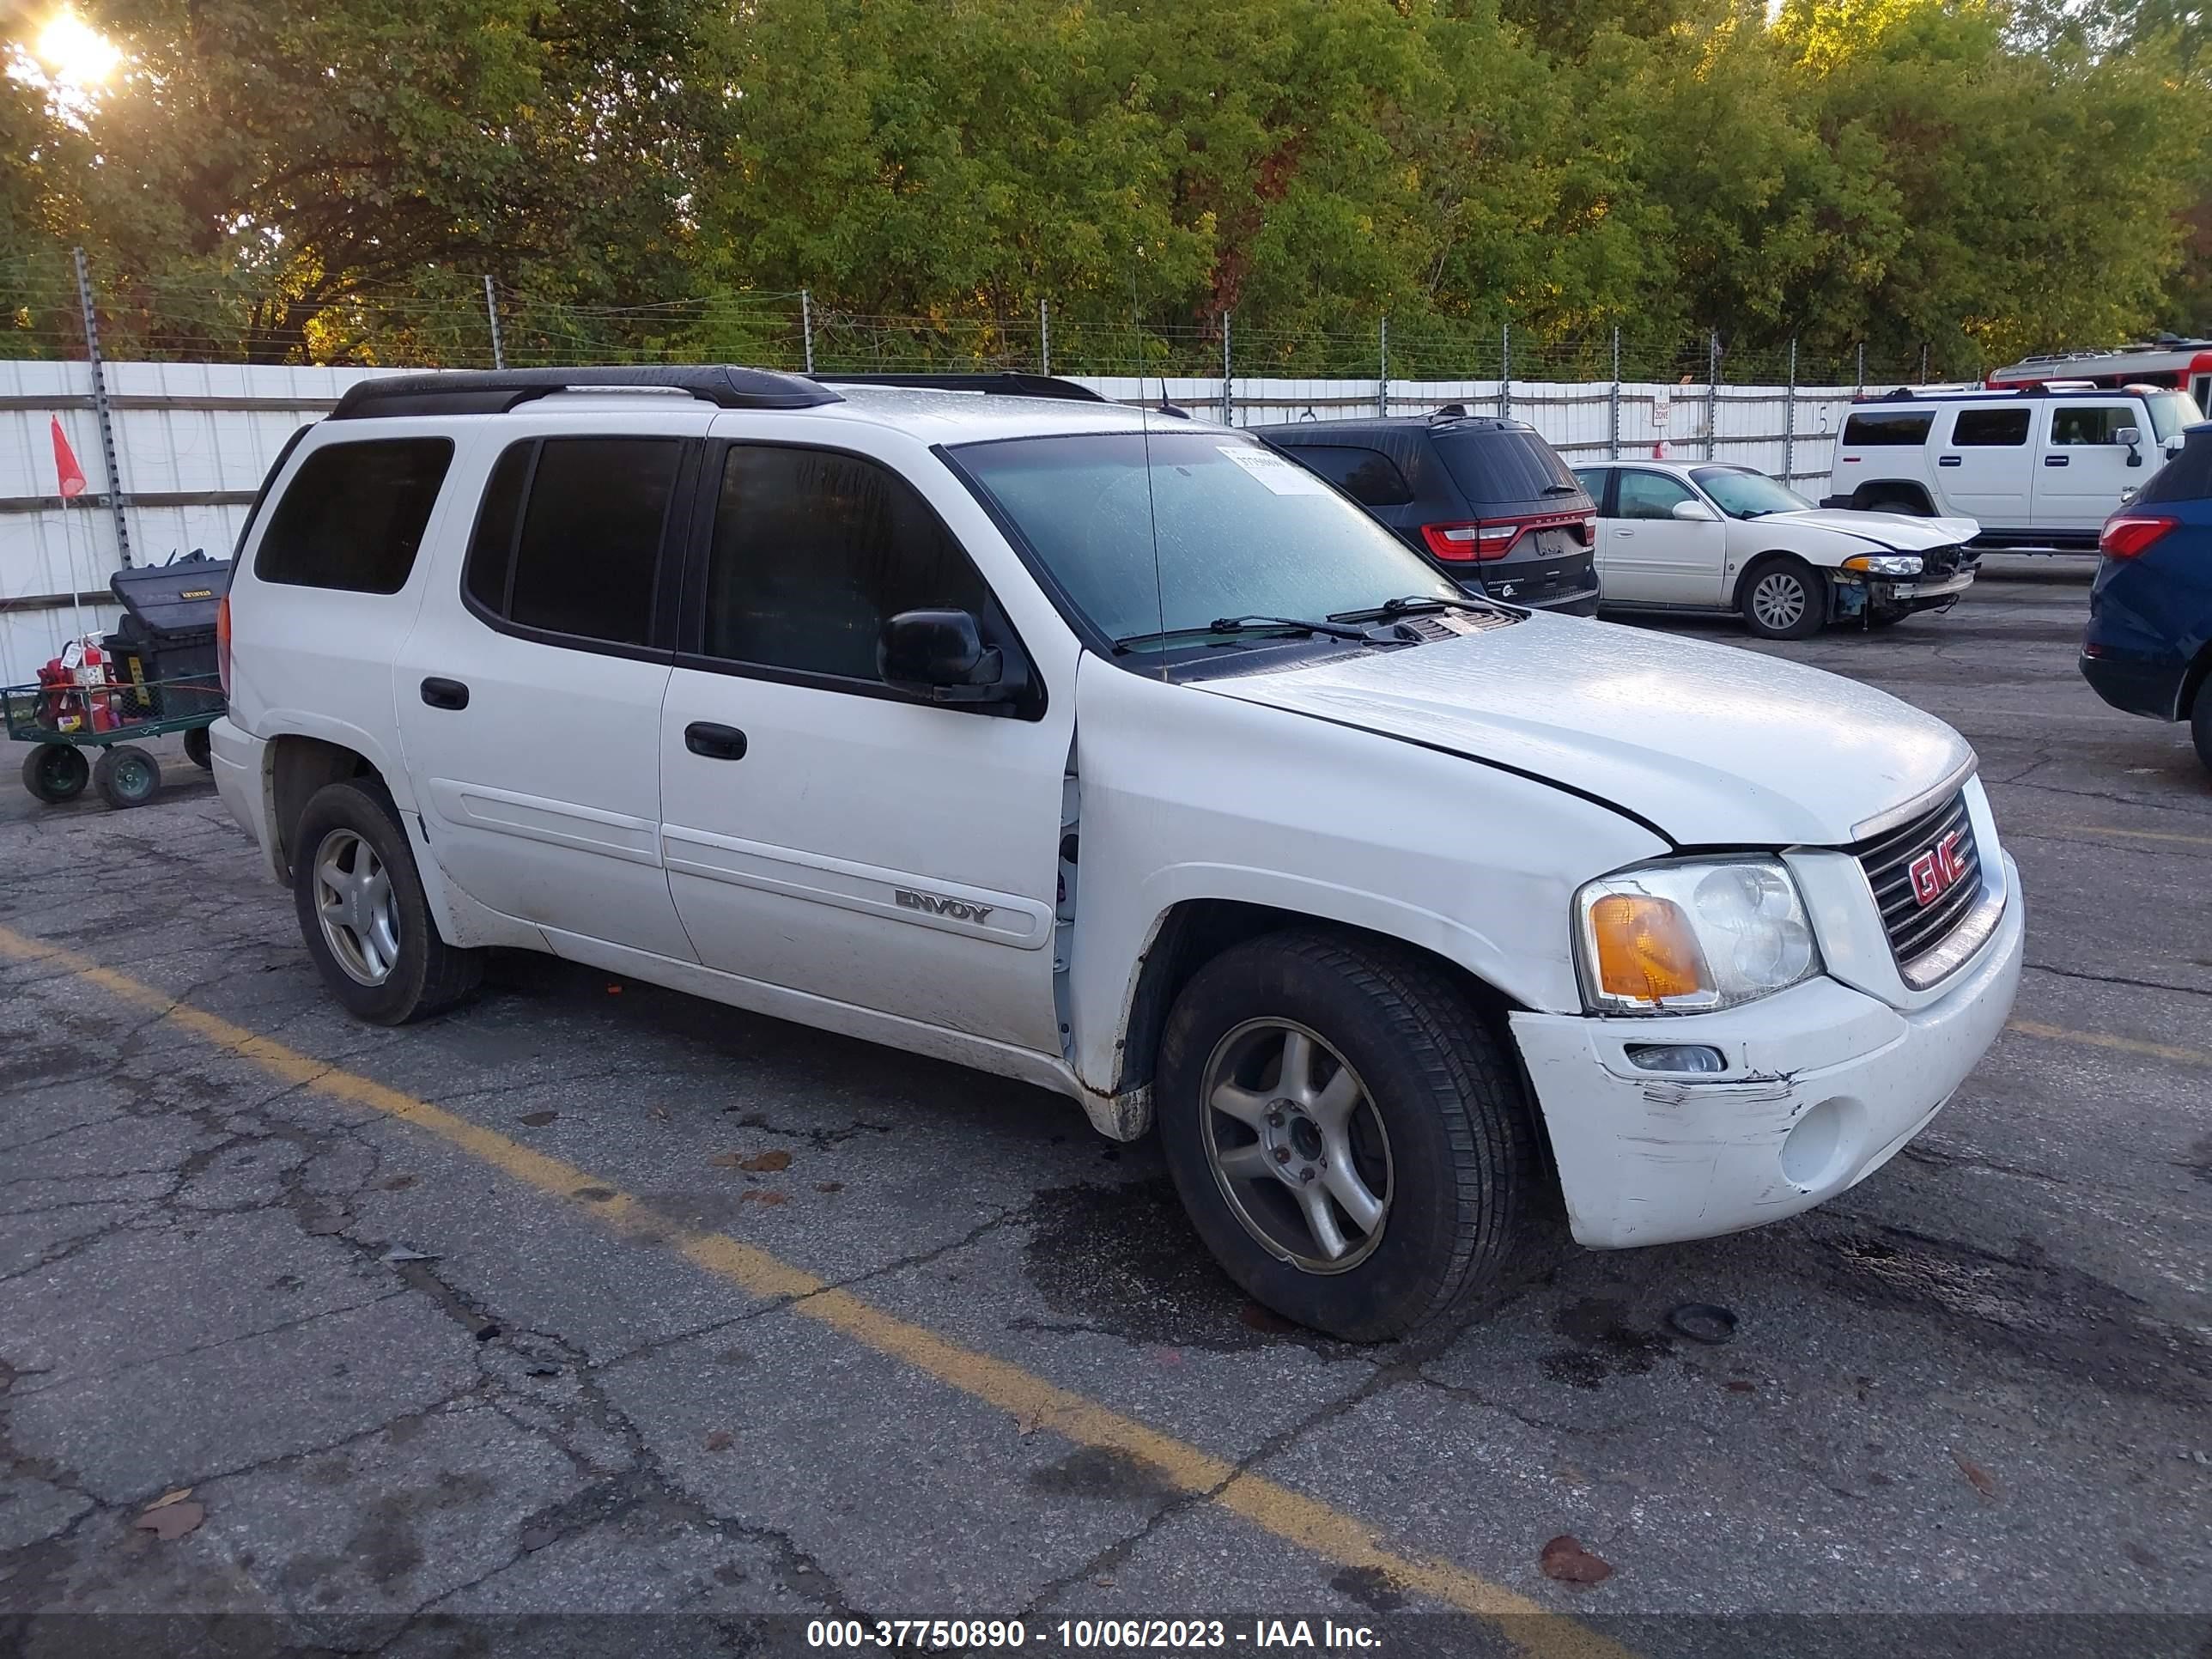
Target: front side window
[
  {"x": 814, "y": 551},
  {"x": 1743, "y": 494},
  {"x": 1155, "y": 535},
  {"x": 1887, "y": 428},
  {"x": 1368, "y": 476},
  {"x": 568, "y": 538},
  {"x": 2077, "y": 424},
  {"x": 2171, "y": 412},
  {"x": 1990, "y": 428},
  {"x": 1650, "y": 495},
  {"x": 354, "y": 515}
]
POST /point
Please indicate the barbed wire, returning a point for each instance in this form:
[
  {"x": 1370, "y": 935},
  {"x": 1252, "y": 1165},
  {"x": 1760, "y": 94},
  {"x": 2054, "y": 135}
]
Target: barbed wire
[{"x": 443, "y": 321}]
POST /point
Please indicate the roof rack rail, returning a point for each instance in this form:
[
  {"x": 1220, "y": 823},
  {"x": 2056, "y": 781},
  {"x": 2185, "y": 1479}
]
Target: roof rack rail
[
  {"x": 496, "y": 391},
  {"x": 1007, "y": 383}
]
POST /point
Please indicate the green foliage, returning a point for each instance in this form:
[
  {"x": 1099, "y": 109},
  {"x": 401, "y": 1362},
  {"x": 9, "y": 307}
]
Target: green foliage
[{"x": 646, "y": 178}]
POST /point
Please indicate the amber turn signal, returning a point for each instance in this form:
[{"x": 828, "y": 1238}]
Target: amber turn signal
[{"x": 1645, "y": 949}]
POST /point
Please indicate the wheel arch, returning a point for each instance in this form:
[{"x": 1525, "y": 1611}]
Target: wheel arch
[
  {"x": 1759, "y": 561},
  {"x": 2192, "y": 683},
  {"x": 1193, "y": 931},
  {"x": 1865, "y": 498}
]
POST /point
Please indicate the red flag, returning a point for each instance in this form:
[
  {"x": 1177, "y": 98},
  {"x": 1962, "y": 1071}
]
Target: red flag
[{"x": 66, "y": 470}]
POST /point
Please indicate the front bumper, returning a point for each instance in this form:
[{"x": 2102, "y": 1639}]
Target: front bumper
[{"x": 1824, "y": 1085}]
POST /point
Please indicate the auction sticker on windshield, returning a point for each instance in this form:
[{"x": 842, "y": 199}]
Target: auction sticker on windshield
[{"x": 1285, "y": 477}]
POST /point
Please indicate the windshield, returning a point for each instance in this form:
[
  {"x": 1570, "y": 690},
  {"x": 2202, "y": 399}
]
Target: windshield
[
  {"x": 1742, "y": 494},
  {"x": 2169, "y": 411},
  {"x": 1240, "y": 531}
]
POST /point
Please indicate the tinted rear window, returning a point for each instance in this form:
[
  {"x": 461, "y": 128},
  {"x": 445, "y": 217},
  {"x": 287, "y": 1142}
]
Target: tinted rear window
[
  {"x": 1368, "y": 476},
  {"x": 354, "y": 514},
  {"x": 1890, "y": 429},
  {"x": 1990, "y": 428},
  {"x": 1507, "y": 465}
]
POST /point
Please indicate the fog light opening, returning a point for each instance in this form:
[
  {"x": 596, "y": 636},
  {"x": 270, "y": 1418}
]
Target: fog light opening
[{"x": 1675, "y": 1057}]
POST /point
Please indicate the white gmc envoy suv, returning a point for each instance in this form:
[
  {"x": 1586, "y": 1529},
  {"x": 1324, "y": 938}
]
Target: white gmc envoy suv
[{"x": 1104, "y": 748}]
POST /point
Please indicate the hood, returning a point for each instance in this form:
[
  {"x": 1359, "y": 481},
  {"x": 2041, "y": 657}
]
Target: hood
[
  {"x": 1715, "y": 745},
  {"x": 1899, "y": 532}
]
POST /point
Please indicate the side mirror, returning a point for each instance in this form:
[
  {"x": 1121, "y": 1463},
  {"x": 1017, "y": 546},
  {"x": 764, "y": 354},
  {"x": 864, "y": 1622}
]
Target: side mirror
[
  {"x": 2132, "y": 437},
  {"x": 1695, "y": 512},
  {"x": 939, "y": 655}
]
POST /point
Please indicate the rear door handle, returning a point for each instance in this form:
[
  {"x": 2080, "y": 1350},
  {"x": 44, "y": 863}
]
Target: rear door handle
[
  {"x": 2055, "y": 460},
  {"x": 1948, "y": 461},
  {"x": 714, "y": 742},
  {"x": 445, "y": 694}
]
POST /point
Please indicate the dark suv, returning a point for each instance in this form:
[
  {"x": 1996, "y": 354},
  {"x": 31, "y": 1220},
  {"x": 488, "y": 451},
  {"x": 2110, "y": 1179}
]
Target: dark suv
[
  {"x": 1486, "y": 501},
  {"x": 2148, "y": 648}
]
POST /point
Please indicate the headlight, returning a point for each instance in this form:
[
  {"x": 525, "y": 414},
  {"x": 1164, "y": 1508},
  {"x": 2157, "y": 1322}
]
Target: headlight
[
  {"x": 1691, "y": 937},
  {"x": 1884, "y": 564}
]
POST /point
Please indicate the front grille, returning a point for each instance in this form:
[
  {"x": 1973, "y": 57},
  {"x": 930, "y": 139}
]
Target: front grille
[{"x": 1915, "y": 929}]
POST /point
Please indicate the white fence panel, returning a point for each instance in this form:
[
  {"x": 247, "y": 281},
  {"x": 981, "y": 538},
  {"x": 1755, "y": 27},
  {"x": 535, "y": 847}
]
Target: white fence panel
[{"x": 194, "y": 439}]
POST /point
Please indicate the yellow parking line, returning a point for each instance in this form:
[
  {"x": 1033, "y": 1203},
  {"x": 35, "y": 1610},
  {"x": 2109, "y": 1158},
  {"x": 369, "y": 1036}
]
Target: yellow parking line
[
  {"x": 2138, "y": 834},
  {"x": 1033, "y": 1402},
  {"x": 2099, "y": 1040}
]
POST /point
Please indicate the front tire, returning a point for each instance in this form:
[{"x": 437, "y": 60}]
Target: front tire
[
  {"x": 1354, "y": 1148},
  {"x": 364, "y": 914},
  {"x": 1784, "y": 599},
  {"x": 2200, "y": 726}
]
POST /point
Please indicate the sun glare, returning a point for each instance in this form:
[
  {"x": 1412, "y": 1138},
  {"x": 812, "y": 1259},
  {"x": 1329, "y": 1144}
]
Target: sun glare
[{"x": 74, "y": 53}]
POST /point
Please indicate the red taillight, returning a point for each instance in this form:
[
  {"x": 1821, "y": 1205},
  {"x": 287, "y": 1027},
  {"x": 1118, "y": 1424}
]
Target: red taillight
[
  {"x": 2126, "y": 534},
  {"x": 223, "y": 643},
  {"x": 1585, "y": 532},
  {"x": 1458, "y": 543}
]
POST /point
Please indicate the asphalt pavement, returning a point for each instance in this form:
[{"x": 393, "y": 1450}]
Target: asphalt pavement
[{"x": 593, "y": 1317}]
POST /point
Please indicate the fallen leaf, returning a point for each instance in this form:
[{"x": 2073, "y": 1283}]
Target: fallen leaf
[
  {"x": 169, "y": 1498},
  {"x": 538, "y": 1120},
  {"x": 660, "y": 1115},
  {"x": 829, "y": 1185},
  {"x": 1982, "y": 1481},
  {"x": 765, "y": 1195},
  {"x": 170, "y": 1521},
  {"x": 765, "y": 1162},
  {"x": 719, "y": 1441},
  {"x": 1565, "y": 1559},
  {"x": 399, "y": 1183},
  {"x": 1739, "y": 1386}
]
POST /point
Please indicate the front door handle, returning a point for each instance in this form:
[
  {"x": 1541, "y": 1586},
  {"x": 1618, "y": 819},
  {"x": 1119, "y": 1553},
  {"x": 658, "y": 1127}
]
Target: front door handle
[
  {"x": 445, "y": 694},
  {"x": 714, "y": 742},
  {"x": 1950, "y": 460},
  {"x": 2055, "y": 460},
  {"x": 1623, "y": 530}
]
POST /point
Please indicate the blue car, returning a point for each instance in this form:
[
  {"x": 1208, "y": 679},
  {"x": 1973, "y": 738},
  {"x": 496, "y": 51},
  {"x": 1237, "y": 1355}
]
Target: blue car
[{"x": 2148, "y": 646}]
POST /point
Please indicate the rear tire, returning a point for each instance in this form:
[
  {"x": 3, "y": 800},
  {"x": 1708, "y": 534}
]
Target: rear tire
[
  {"x": 364, "y": 912},
  {"x": 126, "y": 775},
  {"x": 55, "y": 772},
  {"x": 1783, "y": 597},
  {"x": 196, "y": 750},
  {"x": 1404, "y": 1103},
  {"x": 1895, "y": 501}
]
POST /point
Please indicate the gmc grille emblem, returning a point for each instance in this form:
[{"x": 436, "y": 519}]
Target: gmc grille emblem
[
  {"x": 1936, "y": 871},
  {"x": 931, "y": 904}
]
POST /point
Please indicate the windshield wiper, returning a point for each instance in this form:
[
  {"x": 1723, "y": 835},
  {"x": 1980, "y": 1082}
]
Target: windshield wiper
[
  {"x": 1562, "y": 490},
  {"x": 1409, "y": 602},
  {"x": 1234, "y": 625}
]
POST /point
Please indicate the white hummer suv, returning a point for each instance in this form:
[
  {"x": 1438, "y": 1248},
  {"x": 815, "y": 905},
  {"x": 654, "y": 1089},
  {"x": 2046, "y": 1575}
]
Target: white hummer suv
[
  {"x": 2039, "y": 468},
  {"x": 1106, "y": 749}
]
